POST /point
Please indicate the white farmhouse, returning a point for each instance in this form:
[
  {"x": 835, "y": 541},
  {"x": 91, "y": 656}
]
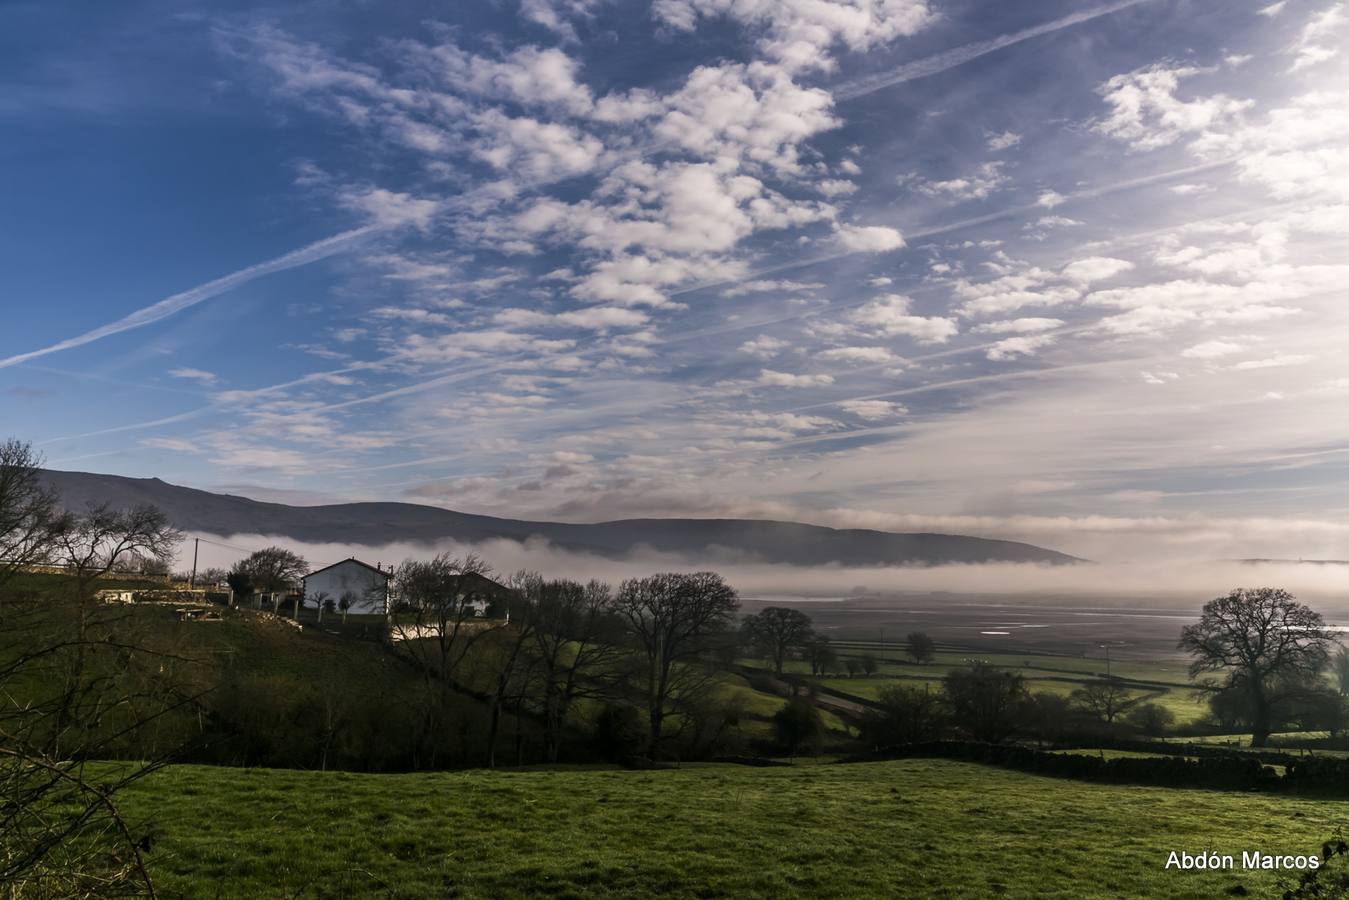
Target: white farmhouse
[{"x": 363, "y": 587}]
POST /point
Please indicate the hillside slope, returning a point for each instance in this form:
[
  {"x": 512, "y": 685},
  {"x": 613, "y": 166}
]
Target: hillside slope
[{"x": 385, "y": 523}]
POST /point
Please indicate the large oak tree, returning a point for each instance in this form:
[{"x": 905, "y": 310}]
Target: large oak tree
[
  {"x": 1264, "y": 644},
  {"x": 777, "y": 632}
]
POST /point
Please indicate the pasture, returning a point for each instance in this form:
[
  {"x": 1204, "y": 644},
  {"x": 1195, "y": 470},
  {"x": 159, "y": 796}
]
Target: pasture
[{"x": 914, "y": 828}]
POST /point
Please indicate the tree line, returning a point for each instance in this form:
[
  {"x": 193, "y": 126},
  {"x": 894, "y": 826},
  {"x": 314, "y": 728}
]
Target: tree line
[{"x": 1263, "y": 660}]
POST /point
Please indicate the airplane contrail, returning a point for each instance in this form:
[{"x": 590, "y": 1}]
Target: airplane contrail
[
  {"x": 191, "y": 297},
  {"x": 958, "y": 56}
]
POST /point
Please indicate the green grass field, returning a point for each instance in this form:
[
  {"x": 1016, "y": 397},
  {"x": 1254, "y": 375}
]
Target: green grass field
[
  {"x": 915, "y": 828},
  {"x": 1160, "y": 681}
]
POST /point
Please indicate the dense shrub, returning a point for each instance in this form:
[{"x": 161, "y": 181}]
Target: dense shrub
[
  {"x": 798, "y": 727},
  {"x": 619, "y": 732},
  {"x": 904, "y": 715},
  {"x": 987, "y": 703},
  {"x": 1152, "y": 719}
]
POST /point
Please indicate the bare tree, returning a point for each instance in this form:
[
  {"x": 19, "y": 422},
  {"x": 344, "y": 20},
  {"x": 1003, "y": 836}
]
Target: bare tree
[
  {"x": 675, "y": 620},
  {"x": 273, "y": 570},
  {"x": 820, "y": 655},
  {"x": 89, "y": 546},
  {"x": 511, "y": 663},
  {"x": 777, "y": 632},
  {"x": 28, "y": 511},
  {"x": 322, "y": 599},
  {"x": 1106, "y": 699},
  {"x": 211, "y": 577},
  {"x": 80, "y": 680},
  {"x": 433, "y": 617},
  {"x": 921, "y": 648},
  {"x": 577, "y": 646},
  {"x": 1264, "y": 645},
  {"x": 987, "y": 703}
]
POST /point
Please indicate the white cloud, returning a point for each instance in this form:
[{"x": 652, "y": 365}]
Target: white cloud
[
  {"x": 390, "y": 209},
  {"x": 1026, "y": 286},
  {"x": 414, "y": 315},
  {"x": 1050, "y": 199},
  {"x": 1010, "y": 348},
  {"x": 1004, "y": 141},
  {"x": 787, "y": 379},
  {"x": 556, "y": 15},
  {"x": 602, "y": 318},
  {"x": 869, "y": 238},
  {"x": 764, "y": 347},
  {"x": 799, "y": 34},
  {"x": 759, "y": 286},
  {"x": 857, "y": 354},
  {"x": 191, "y": 374},
  {"x": 1095, "y": 268},
  {"x": 1161, "y": 306},
  {"x": 1320, "y": 39},
  {"x": 873, "y": 410},
  {"x": 1057, "y": 222},
  {"x": 986, "y": 179},
  {"x": 835, "y": 187},
  {"x": 754, "y": 113},
  {"x": 1212, "y": 350},
  {"x": 1019, "y": 326},
  {"x": 538, "y": 150},
  {"x": 176, "y": 444},
  {"x": 1272, "y": 362},
  {"x": 1147, "y": 114},
  {"x": 889, "y": 315},
  {"x": 531, "y": 76}
]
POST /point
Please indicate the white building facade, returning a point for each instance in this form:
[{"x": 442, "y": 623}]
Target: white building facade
[{"x": 364, "y": 588}]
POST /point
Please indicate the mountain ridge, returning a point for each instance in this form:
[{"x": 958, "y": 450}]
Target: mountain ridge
[{"x": 387, "y": 522}]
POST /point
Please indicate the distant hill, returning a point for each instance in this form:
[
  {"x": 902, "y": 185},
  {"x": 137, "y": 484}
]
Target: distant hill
[
  {"x": 1293, "y": 562},
  {"x": 385, "y": 523}
]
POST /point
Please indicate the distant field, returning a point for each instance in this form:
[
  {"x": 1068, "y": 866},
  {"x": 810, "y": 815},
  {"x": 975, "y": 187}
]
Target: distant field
[
  {"x": 915, "y": 828},
  {"x": 1164, "y": 681}
]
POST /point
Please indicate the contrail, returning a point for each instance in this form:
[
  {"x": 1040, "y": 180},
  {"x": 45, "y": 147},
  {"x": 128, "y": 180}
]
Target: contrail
[
  {"x": 178, "y": 302},
  {"x": 958, "y": 56}
]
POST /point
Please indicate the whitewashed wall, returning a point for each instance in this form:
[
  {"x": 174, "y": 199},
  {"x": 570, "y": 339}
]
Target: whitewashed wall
[{"x": 348, "y": 578}]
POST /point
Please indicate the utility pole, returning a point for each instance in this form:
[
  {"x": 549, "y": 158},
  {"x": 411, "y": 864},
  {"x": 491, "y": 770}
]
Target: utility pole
[{"x": 196, "y": 542}]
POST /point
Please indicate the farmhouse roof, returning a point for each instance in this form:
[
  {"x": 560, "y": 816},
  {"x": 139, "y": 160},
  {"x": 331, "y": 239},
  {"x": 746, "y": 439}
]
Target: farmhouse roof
[{"x": 351, "y": 559}]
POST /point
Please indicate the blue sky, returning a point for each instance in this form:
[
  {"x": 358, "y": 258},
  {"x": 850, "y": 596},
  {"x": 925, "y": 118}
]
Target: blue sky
[{"x": 1062, "y": 272}]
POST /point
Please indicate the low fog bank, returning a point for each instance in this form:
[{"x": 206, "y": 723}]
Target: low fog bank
[{"x": 1166, "y": 583}]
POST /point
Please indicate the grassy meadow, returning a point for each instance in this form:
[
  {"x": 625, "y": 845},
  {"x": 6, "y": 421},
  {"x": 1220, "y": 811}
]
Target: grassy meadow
[
  {"x": 1158, "y": 681},
  {"x": 913, "y": 828}
]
